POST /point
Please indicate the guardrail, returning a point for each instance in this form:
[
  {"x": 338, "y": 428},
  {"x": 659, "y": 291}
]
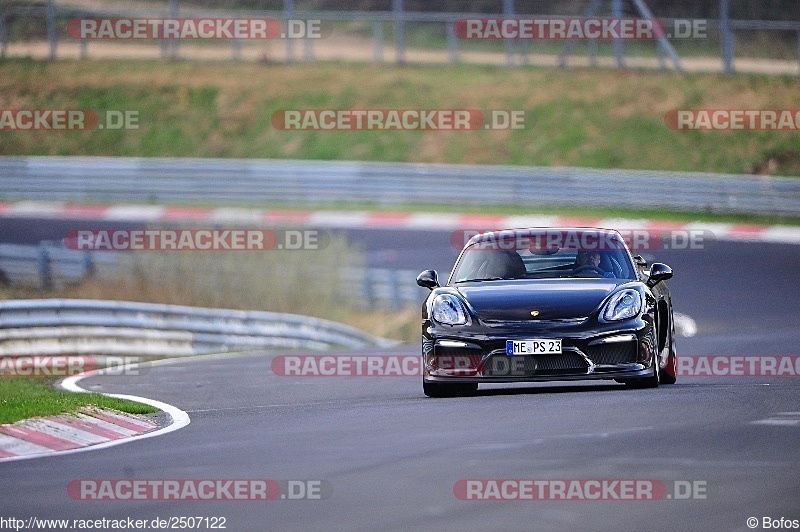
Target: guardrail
[
  {"x": 52, "y": 326},
  {"x": 44, "y": 265},
  {"x": 298, "y": 182},
  {"x": 385, "y": 288}
]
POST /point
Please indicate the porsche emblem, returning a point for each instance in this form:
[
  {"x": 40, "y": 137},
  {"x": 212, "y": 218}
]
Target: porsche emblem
[{"x": 534, "y": 313}]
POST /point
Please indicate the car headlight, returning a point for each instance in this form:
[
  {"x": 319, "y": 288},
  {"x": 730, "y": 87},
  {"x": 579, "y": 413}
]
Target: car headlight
[
  {"x": 624, "y": 304},
  {"x": 448, "y": 310}
]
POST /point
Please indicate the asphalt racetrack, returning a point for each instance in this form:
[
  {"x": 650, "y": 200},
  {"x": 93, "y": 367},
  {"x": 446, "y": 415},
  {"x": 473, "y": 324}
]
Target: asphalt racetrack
[{"x": 721, "y": 449}]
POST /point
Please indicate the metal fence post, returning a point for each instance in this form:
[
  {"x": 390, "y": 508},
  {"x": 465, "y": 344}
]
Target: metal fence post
[
  {"x": 452, "y": 42},
  {"x": 173, "y": 43},
  {"x": 368, "y": 290},
  {"x": 798, "y": 52},
  {"x": 726, "y": 37},
  {"x": 45, "y": 271},
  {"x": 399, "y": 32},
  {"x": 616, "y": 13},
  {"x": 377, "y": 30},
  {"x": 84, "y": 44},
  {"x": 395, "y": 298},
  {"x": 3, "y": 37},
  {"x": 508, "y": 12},
  {"x": 51, "y": 28},
  {"x": 664, "y": 46},
  {"x": 88, "y": 264},
  {"x": 565, "y": 53},
  {"x": 592, "y": 45},
  {"x": 288, "y": 14}
]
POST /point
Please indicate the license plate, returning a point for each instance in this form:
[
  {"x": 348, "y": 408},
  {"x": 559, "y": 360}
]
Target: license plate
[{"x": 543, "y": 346}]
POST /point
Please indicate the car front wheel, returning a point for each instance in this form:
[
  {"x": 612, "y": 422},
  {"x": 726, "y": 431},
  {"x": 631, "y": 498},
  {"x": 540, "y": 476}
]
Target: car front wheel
[
  {"x": 670, "y": 371},
  {"x": 653, "y": 380}
]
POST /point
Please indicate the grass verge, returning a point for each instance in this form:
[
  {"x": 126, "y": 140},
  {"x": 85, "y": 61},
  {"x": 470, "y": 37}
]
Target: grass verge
[
  {"x": 574, "y": 117},
  {"x": 25, "y": 397}
]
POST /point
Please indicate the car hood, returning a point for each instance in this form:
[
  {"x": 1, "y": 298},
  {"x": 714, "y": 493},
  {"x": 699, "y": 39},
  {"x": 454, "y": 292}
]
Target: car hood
[{"x": 553, "y": 298}]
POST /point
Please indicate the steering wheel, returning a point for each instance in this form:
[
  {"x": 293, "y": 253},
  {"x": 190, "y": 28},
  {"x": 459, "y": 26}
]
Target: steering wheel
[{"x": 587, "y": 267}]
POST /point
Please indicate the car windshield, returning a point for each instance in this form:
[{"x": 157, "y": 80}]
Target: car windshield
[{"x": 490, "y": 261}]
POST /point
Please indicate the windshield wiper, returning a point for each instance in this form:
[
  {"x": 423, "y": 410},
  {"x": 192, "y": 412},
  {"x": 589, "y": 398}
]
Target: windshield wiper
[{"x": 484, "y": 279}]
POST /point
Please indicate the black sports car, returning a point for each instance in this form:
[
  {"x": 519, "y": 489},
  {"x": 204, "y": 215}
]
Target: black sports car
[{"x": 546, "y": 304}]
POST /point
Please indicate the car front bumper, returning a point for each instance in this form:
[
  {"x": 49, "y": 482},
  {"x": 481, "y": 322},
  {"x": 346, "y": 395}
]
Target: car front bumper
[{"x": 590, "y": 350}]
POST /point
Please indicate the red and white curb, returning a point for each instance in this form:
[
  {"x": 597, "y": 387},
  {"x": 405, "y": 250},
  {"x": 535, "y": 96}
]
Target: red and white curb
[
  {"x": 382, "y": 220},
  {"x": 89, "y": 426},
  {"x": 89, "y": 429}
]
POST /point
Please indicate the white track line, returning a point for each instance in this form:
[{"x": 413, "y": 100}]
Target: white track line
[{"x": 780, "y": 419}]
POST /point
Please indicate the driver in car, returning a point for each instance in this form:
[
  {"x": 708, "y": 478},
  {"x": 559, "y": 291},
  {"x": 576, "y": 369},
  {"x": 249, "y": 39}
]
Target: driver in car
[{"x": 591, "y": 258}]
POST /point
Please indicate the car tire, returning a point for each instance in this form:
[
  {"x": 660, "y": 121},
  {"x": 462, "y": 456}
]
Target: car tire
[
  {"x": 653, "y": 380},
  {"x": 667, "y": 379},
  {"x": 644, "y": 382},
  {"x": 668, "y": 375},
  {"x": 437, "y": 389}
]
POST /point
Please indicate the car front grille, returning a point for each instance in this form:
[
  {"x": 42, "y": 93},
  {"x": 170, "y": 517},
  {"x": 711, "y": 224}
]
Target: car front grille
[
  {"x": 612, "y": 353},
  {"x": 534, "y": 365}
]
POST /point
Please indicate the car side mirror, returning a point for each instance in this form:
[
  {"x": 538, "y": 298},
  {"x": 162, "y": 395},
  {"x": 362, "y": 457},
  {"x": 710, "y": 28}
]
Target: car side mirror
[
  {"x": 428, "y": 279},
  {"x": 658, "y": 272},
  {"x": 639, "y": 260}
]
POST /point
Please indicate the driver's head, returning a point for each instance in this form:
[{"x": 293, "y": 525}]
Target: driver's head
[{"x": 588, "y": 258}]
